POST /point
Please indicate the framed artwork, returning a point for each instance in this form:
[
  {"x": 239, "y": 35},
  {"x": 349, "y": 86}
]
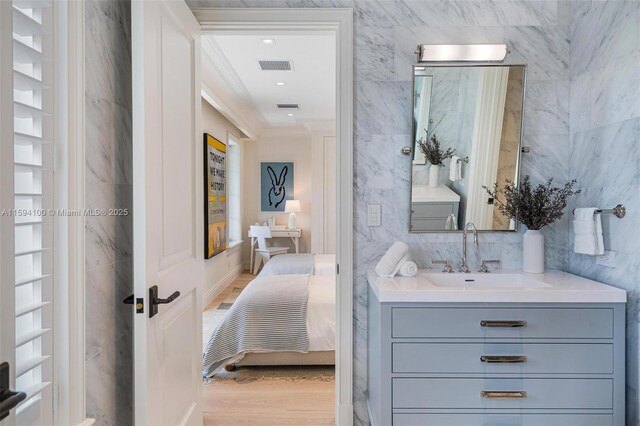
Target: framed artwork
[
  {"x": 276, "y": 185},
  {"x": 215, "y": 214}
]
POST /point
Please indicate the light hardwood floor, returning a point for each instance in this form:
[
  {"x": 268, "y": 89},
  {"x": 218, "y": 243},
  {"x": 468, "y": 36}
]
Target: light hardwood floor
[{"x": 267, "y": 402}]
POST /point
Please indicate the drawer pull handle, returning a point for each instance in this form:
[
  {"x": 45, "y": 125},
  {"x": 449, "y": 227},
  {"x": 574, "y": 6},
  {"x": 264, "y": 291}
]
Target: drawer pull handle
[
  {"x": 503, "y": 359},
  {"x": 503, "y": 394},
  {"x": 503, "y": 324}
]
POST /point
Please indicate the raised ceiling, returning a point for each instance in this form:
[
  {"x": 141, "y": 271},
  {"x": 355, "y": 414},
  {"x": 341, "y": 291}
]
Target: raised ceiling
[{"x": 311, "y": 83}]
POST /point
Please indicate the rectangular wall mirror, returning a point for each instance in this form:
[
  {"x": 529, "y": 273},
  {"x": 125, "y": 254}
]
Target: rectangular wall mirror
[{"x": 476, "y": 112}]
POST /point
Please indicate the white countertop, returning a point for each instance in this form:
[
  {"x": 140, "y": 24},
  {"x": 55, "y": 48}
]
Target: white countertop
[
  {"x": 562, "y": 287},
  {"x": 426, "y": 194}
]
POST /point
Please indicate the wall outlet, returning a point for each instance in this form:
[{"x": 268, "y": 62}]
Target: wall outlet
[
  {"x": 373, "y": 215},
  {"x": 607, "y": 259}
]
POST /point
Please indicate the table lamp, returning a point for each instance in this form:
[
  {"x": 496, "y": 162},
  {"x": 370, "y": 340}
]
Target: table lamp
[{"x": 291, "y": 207}]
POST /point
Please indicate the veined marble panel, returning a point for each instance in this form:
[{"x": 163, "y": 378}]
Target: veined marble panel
[
  {"x": 604, "y": 31},
  {"x": 608, "y": 156},
  {"x": 108, "y": 244}
]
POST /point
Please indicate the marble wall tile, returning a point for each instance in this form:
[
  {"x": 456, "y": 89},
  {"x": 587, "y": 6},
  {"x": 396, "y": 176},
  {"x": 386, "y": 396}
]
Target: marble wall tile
[
  {"x": 617, "y": 145},
  {"x": 99, "y": 155},
  {"x": 617, "y": 24},
  {"x": 615, "y": 93},
  {"x": 374, "y": 53},
  {"x": 547, "y": 101},
  {"x": 605, "y": 133},
  {"x": 108, "y": 242},
  {"x": 382, "y": 107},
  {"x": 544, "y": 49}
]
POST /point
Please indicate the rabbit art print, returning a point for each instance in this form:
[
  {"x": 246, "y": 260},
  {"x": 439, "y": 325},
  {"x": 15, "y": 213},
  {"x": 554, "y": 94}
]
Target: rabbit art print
[
  {"x": 276, "y": 185},
  {"x": 277, "y": 191}
]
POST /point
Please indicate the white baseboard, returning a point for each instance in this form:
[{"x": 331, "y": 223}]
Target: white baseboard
[
  {"x": 222, "y": 284},
  {"x": 345, "y": 415},
  {"x": 87, "y": 422}
]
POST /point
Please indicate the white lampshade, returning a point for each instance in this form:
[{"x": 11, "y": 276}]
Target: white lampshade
[{"x": 292, "y": 206}]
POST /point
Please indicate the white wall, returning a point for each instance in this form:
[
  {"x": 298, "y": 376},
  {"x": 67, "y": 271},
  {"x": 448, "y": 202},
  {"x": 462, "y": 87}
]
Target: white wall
[
  {"x": 220, "y": 270},
  {"x": 274, "y": 146}
]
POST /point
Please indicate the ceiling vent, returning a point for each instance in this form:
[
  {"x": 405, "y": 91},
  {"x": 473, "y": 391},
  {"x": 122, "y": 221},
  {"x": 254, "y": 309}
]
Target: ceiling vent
[
  {"x": 275, "y": 65},
  {"x": 288, "y": 106}
]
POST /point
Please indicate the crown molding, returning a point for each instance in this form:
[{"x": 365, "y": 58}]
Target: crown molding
[{"x": 226, "y": 92}]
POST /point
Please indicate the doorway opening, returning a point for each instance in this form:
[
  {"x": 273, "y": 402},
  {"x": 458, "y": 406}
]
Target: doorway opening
[{"x": 269, "y": 319}]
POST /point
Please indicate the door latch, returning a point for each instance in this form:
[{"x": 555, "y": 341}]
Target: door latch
[
  {"x": 139, "y": 303},
  {"x": 8, "y": 398}
]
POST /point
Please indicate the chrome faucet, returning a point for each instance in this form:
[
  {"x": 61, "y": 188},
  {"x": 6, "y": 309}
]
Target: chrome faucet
[{"x": 465, "y": 267}]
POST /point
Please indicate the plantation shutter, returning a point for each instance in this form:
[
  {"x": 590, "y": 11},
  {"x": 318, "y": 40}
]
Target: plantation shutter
[{"x": 33, "y": 191}]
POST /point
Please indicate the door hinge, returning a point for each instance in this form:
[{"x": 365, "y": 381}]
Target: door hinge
[{"x": 337, "y": 269}]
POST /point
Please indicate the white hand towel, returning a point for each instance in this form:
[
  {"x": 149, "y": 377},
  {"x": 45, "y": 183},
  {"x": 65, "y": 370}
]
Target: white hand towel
[
  {"x": 455, "y": 169},
  {"x": 451, "y": 223},
  {"x": 408, "y": 269},
  {"x": 587, "y": 229},
  {"x": 389, "y": 264}
]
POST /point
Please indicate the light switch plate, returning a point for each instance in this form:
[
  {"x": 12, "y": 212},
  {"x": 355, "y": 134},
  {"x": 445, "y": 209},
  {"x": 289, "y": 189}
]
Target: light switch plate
[
  {"x": 373, "y": 215},
  {"x": 607, "y": 259}
]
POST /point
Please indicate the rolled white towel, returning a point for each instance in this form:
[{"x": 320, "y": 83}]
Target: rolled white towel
[
  {"x": 387, "y": 266},
  {"x": 408, "y": 269}
]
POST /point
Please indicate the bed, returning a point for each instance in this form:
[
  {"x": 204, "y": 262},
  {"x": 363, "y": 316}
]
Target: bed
[
  {"x": 277, "y": 320},
  {"x": 300, "y": 263}
]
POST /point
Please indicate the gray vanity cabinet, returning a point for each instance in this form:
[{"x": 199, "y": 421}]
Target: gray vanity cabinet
[
  {"x": 496, "y": 364},
  {"x": 432, "y": 216}
]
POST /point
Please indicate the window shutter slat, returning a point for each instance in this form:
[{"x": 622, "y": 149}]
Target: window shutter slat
[{"x": 33, "y": 193}]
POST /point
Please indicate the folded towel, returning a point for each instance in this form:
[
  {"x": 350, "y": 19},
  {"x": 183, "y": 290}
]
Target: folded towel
[
  {"x": 455, "y": 169},
  {"x": 408, "y": 269},
  {"x": 390, "y": 262},
  {"x": 587, "y": 229}
]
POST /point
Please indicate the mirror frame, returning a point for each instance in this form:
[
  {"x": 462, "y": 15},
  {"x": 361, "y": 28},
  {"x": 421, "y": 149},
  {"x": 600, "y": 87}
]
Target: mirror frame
[{"x": 422, "y": 67}]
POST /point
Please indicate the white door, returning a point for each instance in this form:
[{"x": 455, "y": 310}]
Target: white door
[
  {"x": 330, "y": 195},
  {"x": 27, "y": 58},
  {"x": 167, "y": 212}
]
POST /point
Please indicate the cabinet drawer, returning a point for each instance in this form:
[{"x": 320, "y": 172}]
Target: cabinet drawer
[
  {"x": 567, "y": 323},
  {"x": 503, "y": 419},
  {"x": 507, "y": 358},
  {"x": 576, "y": 394},
  {"x": 431, "y": 210},
  {"x": 428, "y": 224}
]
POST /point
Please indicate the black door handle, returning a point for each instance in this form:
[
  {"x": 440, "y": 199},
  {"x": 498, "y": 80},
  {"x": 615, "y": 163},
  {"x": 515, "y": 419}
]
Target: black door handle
[
  {"x": 8, "y": 399},
  {"x": 155, "y": 300}
]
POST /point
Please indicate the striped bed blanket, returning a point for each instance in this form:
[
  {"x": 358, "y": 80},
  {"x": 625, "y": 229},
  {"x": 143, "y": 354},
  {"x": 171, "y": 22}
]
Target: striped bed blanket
[{"x": 270, "y": 315}]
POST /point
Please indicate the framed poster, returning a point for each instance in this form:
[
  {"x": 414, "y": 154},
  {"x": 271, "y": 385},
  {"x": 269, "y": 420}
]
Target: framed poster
[
  {"x": 276, "y": 185},
  {"x": 215, "y": 214}
]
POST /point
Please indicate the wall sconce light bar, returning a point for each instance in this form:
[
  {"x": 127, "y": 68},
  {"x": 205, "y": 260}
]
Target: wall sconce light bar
[{"x": 462, "y": 52}]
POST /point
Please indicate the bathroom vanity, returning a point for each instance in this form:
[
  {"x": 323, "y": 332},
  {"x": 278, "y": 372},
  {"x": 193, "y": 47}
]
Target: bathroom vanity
[
  {"x": 434, "y": 209},
  {"x": 495, "y": 349}
]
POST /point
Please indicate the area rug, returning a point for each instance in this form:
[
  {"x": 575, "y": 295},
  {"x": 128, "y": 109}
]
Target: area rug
[{"x": 323, "y": 373}]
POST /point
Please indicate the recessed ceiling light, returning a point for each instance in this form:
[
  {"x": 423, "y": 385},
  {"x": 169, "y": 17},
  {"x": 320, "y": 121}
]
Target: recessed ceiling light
[
  {"x": 290, "y": 114},
  {"x": 280, "y": 83},
  {"x": 268, "y": 41}
]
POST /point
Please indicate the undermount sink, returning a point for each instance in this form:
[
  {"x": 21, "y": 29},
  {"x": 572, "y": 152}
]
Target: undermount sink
[{"x": 508, "y": 280}]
